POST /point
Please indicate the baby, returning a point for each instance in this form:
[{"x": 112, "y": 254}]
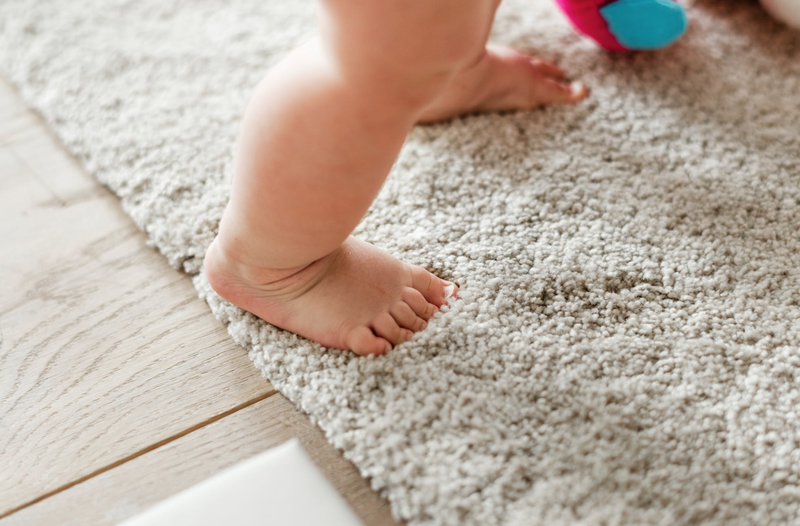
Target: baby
[{"x": 317, "y": 142}]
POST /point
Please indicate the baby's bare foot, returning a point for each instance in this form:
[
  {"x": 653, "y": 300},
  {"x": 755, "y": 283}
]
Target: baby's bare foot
[
  {"x": 504, "y": 79},
  {"x": 358, "y": 297}
]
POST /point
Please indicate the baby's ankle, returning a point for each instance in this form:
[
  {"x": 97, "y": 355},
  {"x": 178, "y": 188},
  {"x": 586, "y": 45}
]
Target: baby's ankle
[
  {"x": 228, "y": 261},
  {"x": 230, "y": 274}
]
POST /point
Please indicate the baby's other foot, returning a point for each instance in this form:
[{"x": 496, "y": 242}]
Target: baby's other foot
[
  {"x": 504, "y": 79},
  {"x": 357, "y": 297}
]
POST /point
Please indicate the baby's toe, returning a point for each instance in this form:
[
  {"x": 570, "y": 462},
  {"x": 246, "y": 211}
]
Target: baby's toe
[
  {"x": 362, "y": 341},
  {"x": 547, "y": 69},
  {"x": 552, "y": 91},
  {"x": 414, "y": 299},
  {"x": 435, "y": 290},
  {"x": 385, "y": 327},
  {"x": 406, "y": 318}
]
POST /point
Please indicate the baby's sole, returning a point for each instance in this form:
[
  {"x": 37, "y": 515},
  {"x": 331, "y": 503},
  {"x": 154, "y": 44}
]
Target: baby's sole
[{"x": 645, "y": 24}]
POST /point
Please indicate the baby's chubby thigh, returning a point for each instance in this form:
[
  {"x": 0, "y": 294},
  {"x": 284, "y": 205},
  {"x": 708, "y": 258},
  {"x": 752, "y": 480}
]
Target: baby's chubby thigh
[{"x": 405, "y": 49}]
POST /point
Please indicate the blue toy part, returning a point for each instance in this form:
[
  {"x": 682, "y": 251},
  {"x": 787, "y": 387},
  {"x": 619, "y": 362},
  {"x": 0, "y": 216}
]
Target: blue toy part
[{"x": 645, "y": 24}]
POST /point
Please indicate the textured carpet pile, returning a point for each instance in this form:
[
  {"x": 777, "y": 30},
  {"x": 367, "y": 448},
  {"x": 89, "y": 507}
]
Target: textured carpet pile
[{"x": 627, "y": 345}]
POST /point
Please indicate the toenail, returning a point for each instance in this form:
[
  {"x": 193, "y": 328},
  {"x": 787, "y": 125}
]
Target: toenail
[{"x": 449, "y": 290}]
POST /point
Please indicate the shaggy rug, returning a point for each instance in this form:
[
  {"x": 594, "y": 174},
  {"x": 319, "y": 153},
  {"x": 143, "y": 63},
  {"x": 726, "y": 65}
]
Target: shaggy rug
[{"x": 627, "y": 345}]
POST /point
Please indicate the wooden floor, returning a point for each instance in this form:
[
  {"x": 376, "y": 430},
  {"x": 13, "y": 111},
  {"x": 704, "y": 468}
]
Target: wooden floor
[{"x": 118, "y": 387}]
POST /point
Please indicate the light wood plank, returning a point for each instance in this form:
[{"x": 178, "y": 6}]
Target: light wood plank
[
  {"x": 15, "y": 120},
  {"x": 122, "y": 492},
  {"x": 104, "y": 349}
]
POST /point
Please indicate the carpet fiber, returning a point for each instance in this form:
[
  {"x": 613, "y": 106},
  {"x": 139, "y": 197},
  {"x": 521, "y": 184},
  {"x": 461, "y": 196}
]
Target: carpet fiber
[{"x": 626, "y": 350}]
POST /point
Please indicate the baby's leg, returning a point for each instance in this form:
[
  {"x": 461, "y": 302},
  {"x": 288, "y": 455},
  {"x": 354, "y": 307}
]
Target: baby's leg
[{"x": 317, "y": 142}]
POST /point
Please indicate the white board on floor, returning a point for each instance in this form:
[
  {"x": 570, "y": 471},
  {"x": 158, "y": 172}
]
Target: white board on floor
[{"x": 281, "y": 486}]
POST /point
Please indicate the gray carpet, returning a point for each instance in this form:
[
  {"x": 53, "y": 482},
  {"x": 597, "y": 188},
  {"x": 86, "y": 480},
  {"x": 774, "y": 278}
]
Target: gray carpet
[{"x": 627, "y": 349}]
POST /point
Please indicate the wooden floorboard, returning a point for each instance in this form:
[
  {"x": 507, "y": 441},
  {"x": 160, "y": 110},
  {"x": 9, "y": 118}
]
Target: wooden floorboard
[
  {"x": 15, "y": 119},
  {"x": 130, "y": 488},
  {"x": 117, "y": 385},
  {"x": 104, "y": 349}
]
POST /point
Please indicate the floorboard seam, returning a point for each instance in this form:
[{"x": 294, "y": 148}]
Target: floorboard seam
[{"x": 139, "y": 453}]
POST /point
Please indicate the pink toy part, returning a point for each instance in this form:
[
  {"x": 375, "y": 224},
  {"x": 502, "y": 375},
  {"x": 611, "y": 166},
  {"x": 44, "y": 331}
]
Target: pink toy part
[
  {"x": 626, "y": 25},
  {"x": 585, "y": 16}
]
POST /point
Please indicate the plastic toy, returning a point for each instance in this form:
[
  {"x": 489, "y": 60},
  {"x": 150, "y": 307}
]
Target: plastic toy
[
  {"x": 787, "y": 11},
  {"x": 630, "y": 25}
]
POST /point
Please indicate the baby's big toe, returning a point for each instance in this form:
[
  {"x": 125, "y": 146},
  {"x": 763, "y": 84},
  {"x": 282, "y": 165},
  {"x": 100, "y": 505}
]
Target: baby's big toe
[
  {"x": 435, "y": 290},
  {"x": 552, "y": 91}
]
